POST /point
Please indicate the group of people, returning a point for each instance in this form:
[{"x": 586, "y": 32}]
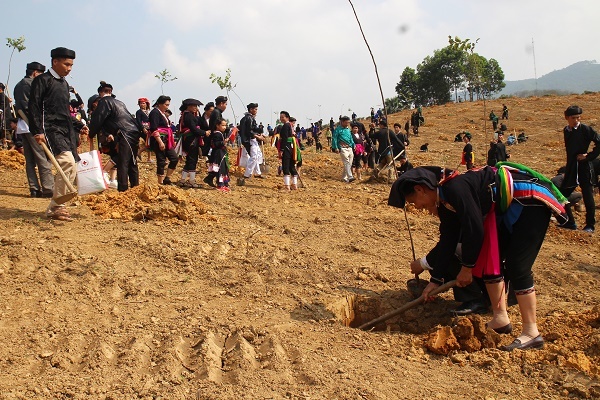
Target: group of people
[{"x": 493, "y": 219}]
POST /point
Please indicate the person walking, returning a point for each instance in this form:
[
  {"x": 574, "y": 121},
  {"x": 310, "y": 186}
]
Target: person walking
[
  {"x": 342, "y": 143},
  {"x": 112, "y": 117},
  {"x": 33, "y": 152},
  {"x": 50, "y": 122},
  {"x": 252, "y": 137}
]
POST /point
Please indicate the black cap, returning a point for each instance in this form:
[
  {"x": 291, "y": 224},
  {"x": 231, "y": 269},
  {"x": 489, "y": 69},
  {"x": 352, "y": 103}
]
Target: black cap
[
  {"x": 91, "y": 100},
  {"x": 428, "y": 176},
  {"x": 62, "y": 52},
  {"x": 189, "y": 102},
  {"x": 220, "y": 99},
  {"x": 36, "y": 66},
  {"x": 252, "y": 105},
  {"x": 573, "y": 110}
]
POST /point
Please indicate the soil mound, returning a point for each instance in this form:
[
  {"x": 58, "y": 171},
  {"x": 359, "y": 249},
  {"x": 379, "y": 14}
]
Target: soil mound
[
  {"x": 12, "y": 159},
  {"x": 146, "y": 202}
]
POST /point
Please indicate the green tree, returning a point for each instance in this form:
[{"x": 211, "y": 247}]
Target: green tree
[
  {"x": 164, "y": 76},
  {"x": 393, "y": 105},
  {"x": 407, "y": 88},
  {"x": 438, "y": 75},
  {"x": 492, "y": 78}
]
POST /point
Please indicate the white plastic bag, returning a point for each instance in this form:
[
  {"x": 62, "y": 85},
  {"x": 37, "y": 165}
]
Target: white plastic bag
[
  {"x": 242, "y": 160},
  {"x": 89, "y": 173}
]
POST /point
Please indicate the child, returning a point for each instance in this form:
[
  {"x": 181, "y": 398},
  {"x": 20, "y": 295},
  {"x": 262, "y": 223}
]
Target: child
[
  {"x": 219, "y": 161},
  {"x": 467, "y": 155}
]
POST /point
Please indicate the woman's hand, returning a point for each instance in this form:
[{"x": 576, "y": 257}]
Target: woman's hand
[
  {"x": 465, "y": 277},
  {"x": 415, "y": 267},
  {"x": 430, "y": 286}
]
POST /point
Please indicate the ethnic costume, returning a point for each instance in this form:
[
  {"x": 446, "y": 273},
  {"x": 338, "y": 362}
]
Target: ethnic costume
[
  {"x": 219, "y": 159},
  {"x": 249, "y": 129},
  {"x": 468, "y": 157},
  {"x": 50, "y": 115},
  {"x": 111, "y": 116},
  {"x": 160, "y": 126},
  {"x": 289, "y": 155},
  {"x": 580, "y": 173},
  {"x": 193, "y": 139},
  {"x": 34, "y": 154}
]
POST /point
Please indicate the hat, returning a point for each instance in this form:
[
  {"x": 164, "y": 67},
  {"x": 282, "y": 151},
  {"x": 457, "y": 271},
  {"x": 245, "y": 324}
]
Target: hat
[
  {"x": 161, "y": 100},
  {"x": 36, "y": 66},
  {"x": 573, "y": 110},
  {"x": 144, "y": 100},
  {"x": 189, "y": 102},
  {"x": 428, "y": 176},
  {"x": 345, "y": 118},
  {"x": 468, "y": 135},
  {"x": 92, "y": 100},
  {"x": 62, "y": 52},
  {"x": 252, "y": 105},
  {"x": 104, "y": 85},
  {"x": 220, "y": 99}
]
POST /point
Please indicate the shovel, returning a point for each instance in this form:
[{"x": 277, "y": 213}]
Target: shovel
[
  {"x": 407, "y": 306},
  {"x": 72, "y": 192},
  {"x": 264, "y": 168}
]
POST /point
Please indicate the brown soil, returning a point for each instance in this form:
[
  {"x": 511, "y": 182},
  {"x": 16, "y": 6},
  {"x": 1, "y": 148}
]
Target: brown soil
[
  {"x": 11, "y": 159},
  {"x": 255, "y": 294}
]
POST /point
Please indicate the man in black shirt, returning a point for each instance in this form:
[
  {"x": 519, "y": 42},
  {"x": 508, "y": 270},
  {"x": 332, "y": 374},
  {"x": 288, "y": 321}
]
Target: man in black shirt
[
  {"x": 34, "y": 155},
  {"x": 111, "y": 116},
  {"x": 578, "y": 138},
  {"x": 50, "y": 122}
]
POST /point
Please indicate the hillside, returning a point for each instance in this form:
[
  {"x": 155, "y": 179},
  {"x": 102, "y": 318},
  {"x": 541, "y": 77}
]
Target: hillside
[
  {"x": 255, "y": 294},
  {"x": 576, "y": 78}
]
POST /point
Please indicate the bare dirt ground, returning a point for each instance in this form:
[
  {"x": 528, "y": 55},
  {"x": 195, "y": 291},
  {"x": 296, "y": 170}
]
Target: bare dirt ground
[{"x": 254, "y": 294}]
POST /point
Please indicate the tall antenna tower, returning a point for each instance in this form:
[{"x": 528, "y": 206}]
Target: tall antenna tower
[{"x": 534, "y": 68}]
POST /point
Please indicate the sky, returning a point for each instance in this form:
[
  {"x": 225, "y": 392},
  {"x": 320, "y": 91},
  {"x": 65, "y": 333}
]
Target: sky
[{"x": 304, "y": 56}]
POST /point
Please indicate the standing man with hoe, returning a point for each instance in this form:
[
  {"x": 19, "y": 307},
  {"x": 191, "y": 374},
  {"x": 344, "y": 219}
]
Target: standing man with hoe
[{"x": 50, "y": 122}]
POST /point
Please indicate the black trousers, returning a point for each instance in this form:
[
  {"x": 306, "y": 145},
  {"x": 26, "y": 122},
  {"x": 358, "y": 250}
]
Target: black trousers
[
  {"x": 587, "y": 190},
  {"x": 161, "y": 160},
  {"x": 520, "y": 248},
  {"x": 127, "y": 168},
  {"x": 193, "y": 153},
  {"x": 287, "y": 163}
]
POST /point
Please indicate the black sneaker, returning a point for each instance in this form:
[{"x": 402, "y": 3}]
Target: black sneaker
[
  {"x": 167, "y": 181},
  {"x": 571, "y": 227},
  {"x": 35, "y": 193},
  {"x": 588, "y": 229}
]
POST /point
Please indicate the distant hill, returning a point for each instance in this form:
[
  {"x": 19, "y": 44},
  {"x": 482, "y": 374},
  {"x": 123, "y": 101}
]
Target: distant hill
[{"x": 576, "y": 78}]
